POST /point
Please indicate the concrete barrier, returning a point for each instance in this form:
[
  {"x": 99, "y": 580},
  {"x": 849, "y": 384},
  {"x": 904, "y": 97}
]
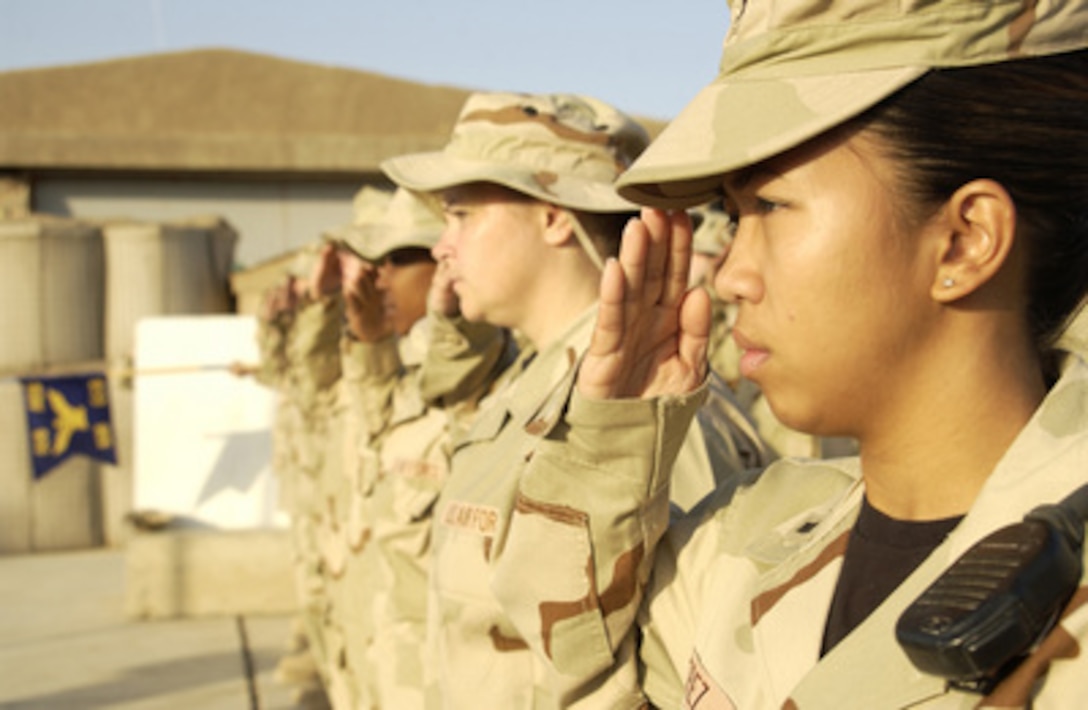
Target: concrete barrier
[{"x": 173, "y": 573}]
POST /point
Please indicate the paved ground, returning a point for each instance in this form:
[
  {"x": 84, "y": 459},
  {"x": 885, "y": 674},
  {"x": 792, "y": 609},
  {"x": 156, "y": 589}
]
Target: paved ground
[{"x": 66, "y": 644}]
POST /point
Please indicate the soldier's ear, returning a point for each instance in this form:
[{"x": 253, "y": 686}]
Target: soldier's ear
[
  {"x": 977, "y": 237},
  {"x": 559, "y": 227}
]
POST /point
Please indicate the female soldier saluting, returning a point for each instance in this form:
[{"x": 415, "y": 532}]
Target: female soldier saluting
[{"x": 909, "y": 183}]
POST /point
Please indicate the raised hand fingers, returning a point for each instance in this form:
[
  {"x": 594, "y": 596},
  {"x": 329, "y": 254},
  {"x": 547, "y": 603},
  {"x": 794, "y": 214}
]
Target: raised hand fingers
[
  {"x": 611, "y": 312},
  {"x": 361, "y": 284},
  {"x": 354, "y": 271},
  {"x": 694, "y": 334},
  {"x": 678, "y": 268},
  {"x": 648, "y": 339},
  {"x": 325, "y": 275},
  {"x": 633, "y": 260},
  {"x": 657, "y": 228},
  {"x": 441, "y": 297},
  {"x": 664, "y": 258}
]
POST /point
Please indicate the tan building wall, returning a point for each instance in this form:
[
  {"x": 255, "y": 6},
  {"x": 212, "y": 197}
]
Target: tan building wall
[{"x": 270, "y": 216}]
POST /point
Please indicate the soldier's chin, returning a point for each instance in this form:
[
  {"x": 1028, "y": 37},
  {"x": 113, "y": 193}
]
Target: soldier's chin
[{"x": 470, "y": 311}]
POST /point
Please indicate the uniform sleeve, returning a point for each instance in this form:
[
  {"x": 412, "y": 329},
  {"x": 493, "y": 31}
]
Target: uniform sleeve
[
  {"x": 272, "y": 349},
  {"x": 463, "y": 359},
  {"x": 592, "y": 507},
  {"x": 371, "y": 373},
  {"x": 313, "y": 349},
  {"x": 722, "y": 444},
  {"x": 667, "y": 617}
]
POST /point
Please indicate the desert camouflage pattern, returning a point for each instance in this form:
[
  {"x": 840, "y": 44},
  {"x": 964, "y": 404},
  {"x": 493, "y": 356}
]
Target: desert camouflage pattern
[
  {"x": 368, "y": 207},
  {"x": 791, "y": 69},
  {"x": 348, "y": 564},
  {"x": 272, "y": 333},
  {"x": 564, "y": 149},
  {"x": 299, "y": 360},
  {"x": 735, "y": 613},
  {"x": 1075, "y": 336},
  {"x": 412, "y": 221},
  {"x": 463, "y": 359},
  {"x": 713, "y": 229},
  {"x": 346, "y": 554},
  {"x": 757, "y": 569},
  {"x": 397, "y": 461},
  {"x": 367, "y": 455},
  {"x": 402, "y": 463},
  {"x": 382, "y": 429},
  {"x": 500, "y": 538}
]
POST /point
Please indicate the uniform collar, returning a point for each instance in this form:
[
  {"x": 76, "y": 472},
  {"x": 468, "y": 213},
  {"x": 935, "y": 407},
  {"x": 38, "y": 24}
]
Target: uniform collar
[{"x": 537, "y": 385}]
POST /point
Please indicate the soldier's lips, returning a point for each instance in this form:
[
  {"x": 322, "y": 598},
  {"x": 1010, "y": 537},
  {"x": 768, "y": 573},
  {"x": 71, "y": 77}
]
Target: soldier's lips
[
  {"x": 753, "y": 356},
  {"x": 751, "y": 361}
]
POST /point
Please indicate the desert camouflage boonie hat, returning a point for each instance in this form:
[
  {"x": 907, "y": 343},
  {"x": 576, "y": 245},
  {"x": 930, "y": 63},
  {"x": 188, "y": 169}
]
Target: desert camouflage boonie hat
[
  {"x": 369, "y": 204},
  {"x": 792, "y": 69},
  {"x": 559, "y": 148},
  {"x": 368, "y": 208},
  {"x": 407, "y": 223},
  {"x": 305, "y": 257}
]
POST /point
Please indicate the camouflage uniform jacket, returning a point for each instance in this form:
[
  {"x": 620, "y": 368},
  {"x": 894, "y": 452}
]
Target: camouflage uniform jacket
[
  {"x": 400, "y": 462},
  {"x": 497, "y": 531},
  {"x": 271, "y": 339},
  {"x": 312, "y": 370},
  {"x": 1075, "y": 337},
  {"x": 743, "y": 585},
  {"x": 312, "y": 351},
  {"x": 313, "y": 387}
]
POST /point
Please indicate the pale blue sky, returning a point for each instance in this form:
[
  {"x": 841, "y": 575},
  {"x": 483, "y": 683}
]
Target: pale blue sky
[{"x": 646, "y": 56}]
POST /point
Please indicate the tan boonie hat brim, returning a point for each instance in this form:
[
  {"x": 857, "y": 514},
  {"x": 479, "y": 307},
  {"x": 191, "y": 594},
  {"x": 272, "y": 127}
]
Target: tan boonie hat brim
[
  {"x": 385, "y": 244},
  {"x": 791, "y": 70},
  {"x": 407, "y": 223},
  {"x": 368, "y": 208},
  {"x": 352, "y": 237},
  {"x": 711, "y": 136},
  {"x": 560, "y": 148}
]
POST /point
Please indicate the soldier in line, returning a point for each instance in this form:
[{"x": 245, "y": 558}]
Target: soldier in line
[
  {"x": 330, "y": 511},
  {"x": 286, "y": 324},
  {"x": 275, "y": 318},
  {"x": 531, "y": 214},
  {"x": 397, "y": 446},
  {"x": 313, "y": 408},
  {"x": 911, "y": 240},
  {"x": 375, "y": 444}
]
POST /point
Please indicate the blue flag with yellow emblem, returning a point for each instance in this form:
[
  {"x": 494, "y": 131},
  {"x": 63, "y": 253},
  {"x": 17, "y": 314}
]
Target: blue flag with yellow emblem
[{"x": 65, "y": 415}]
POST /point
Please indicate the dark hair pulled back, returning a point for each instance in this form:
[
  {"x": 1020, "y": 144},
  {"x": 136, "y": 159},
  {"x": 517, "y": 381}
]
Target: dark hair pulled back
[{"x": 1024, "y": 124}]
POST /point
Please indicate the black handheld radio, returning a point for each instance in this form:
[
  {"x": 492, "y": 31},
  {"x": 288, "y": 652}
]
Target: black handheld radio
[{"x": 987, "y": 611}]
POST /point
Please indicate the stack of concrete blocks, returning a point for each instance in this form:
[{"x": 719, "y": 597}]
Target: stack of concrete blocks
[
  {"x": 71, "y": 294},
  {"x": 51, "y": 315}
]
